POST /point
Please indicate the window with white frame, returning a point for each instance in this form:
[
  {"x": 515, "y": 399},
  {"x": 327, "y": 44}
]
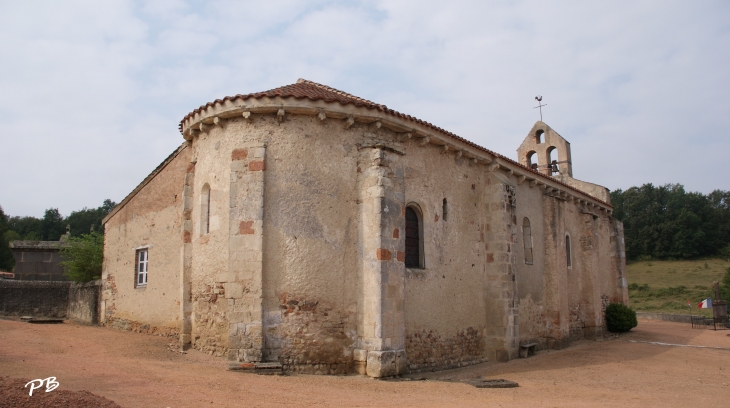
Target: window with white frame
[{"x": 140, "y": 268}]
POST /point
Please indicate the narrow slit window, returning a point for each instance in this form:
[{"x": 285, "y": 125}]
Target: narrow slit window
[
  {"x": 207, "y": 213},
  {"x": 567, "y": 249},
  {"x": 527, "y": 239},
  {"x": 446, "y": 209},
  {"x": 205, "y": 210},
  {"x": 414, "y": 243}
]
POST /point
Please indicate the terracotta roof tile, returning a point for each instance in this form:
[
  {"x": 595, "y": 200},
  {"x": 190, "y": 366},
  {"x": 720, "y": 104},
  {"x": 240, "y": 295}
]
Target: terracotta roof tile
[{"x": 305, "y": 89}]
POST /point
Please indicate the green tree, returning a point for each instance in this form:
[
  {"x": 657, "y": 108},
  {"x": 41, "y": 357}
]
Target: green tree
[
  {"x": 6, "y": 256},
  {"x": 11, "y": 236},
  {"x": 88, "y": 219},
  {"x": 29, "y": 228},
  {"x": 52, "y": 225},
  {"x": 668, "y": 222},
  {"x": 83, "y": 257}
]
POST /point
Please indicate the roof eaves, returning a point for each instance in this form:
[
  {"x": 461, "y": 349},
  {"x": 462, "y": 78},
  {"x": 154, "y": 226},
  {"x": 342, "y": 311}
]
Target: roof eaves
[{"x": 357, "y": 101}]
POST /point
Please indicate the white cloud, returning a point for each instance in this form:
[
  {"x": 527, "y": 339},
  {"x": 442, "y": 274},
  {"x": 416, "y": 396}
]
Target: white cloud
[{"x": 91, "y": 92}]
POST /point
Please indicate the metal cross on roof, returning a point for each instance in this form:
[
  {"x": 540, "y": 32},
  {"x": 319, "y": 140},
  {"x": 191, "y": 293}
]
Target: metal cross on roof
[{"x": 538, "y": 98}]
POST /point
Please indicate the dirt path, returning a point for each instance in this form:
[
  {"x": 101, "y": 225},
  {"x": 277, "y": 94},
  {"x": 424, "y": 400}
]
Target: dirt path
[{"x": 136, "y": 370}]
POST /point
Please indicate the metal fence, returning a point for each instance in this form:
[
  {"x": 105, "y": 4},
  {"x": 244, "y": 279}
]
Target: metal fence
[{"x": 714, "y": 323}]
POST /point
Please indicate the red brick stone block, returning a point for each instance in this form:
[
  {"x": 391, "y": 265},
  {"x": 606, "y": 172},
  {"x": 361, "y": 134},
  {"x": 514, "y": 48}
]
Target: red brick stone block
[
  {"x": 400, "y": 256},
  {"x": 396, "y": 233},
  {"x": 186, "y": 237},
  {"x": 239, "y": 154},
  {"x": 245, "y": 228},
  {"x": 256, "y": 166},
  {"x": 383, "y": 254},
  {"x": 490, "y": 258}
]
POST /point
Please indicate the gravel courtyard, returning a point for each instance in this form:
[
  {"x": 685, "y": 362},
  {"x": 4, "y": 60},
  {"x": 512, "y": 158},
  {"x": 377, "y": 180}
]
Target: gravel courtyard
[{"x": 137, "y": 370}]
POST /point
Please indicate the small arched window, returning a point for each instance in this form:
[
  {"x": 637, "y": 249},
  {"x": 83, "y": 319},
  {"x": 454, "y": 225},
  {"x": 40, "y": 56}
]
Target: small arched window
[
  {"x": 527, "y": 240},
  {"x": 532, "y": 160},
  {"x": 414, "y": 240},
  {"x": 205, "y": 209},
  {"x": 552, "y": 160},
  {"x": 538, "y": 136},
  {"x": 567, "y": 250}
]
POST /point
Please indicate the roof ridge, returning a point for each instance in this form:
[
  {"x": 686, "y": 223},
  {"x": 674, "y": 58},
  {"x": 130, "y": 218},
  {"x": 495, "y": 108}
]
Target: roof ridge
[{"x": 337, "y": 91}]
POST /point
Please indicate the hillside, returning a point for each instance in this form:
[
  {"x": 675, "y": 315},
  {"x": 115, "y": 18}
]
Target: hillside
[{"x": 665, "y": 286}]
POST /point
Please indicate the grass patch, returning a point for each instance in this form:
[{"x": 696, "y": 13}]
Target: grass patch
[{"x": 666, "y": 286}]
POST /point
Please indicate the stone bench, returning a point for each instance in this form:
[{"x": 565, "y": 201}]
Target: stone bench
[{"x": 527, "y": 349}]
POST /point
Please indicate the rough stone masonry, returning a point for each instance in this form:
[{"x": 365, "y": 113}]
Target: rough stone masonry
[{"x": 315, "y": 229}]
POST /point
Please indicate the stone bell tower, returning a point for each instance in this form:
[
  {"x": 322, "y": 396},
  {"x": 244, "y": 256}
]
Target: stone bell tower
[{"x": 546, "y": 151}]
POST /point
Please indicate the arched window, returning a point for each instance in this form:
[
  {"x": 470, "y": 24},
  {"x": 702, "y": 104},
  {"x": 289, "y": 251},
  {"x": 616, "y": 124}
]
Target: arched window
[
  {"x": 205, "y": 209},
  {"x": 538, "y": 136},
  {"x": 414, "y": 237},
  {"x": 567, "y": 249},
  {"x": 552, "y": 161},
  {"x": 532, "y": 160},
  {"x": 527, "y": 240}
]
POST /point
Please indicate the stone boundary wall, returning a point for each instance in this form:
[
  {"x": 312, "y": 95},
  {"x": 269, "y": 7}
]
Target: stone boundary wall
[
  {"x": 677, "y": 318},
  {"x": 84, "y": 302},
  {"x": 76, "y": 301},
  {"x": 34, "y": 298},
  {"x": 140, "y": 327}
]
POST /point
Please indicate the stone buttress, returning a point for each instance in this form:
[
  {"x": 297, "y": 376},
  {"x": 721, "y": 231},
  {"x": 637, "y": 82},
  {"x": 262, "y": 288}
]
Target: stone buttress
[
  {"x": 243, "y": 288},
  {"x": 186, "y": 255},
  {"x": 380, "y": 348},
  {"x": 502, "y": 326}
]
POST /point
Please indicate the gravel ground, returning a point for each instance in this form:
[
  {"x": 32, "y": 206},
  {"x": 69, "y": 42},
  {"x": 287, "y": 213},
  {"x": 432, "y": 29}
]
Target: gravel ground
[
  {"x": 137, "y": 370},
  {"x": 15, "y": 394}
]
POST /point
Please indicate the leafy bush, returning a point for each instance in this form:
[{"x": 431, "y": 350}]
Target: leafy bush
[
  {"x": 725, "y": 252},
  {"x": 644, "y": 287},
  {"x": 620, "y": 318},
  {"x": 83, "y": 257}
]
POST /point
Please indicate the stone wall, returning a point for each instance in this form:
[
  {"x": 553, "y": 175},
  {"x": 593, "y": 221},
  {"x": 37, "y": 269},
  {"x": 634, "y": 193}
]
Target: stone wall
[
  {"x": 289, "y": 235},
  {"x": 312, "y": 336},
  {"x": 150, "y": 218},
  {"x": 84, "y": 302},
  {"x": 677, "y": 318},
  {"x": 40, "y": 264},
  {"x": 430, "y": 351},
  {"x": 33, "y": 298},
  {"x": 76, "y": 301}
]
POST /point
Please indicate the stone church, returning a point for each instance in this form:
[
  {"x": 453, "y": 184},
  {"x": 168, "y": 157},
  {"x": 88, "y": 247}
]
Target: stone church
[{"x": 330, "y": 234}]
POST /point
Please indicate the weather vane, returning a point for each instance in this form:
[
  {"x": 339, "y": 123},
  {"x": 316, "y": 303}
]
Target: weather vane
[{"x": 538, "y": 98}]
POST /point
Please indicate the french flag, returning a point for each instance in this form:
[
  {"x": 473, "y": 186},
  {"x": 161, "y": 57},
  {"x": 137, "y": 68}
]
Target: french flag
[{"x": 705, "y": 304}]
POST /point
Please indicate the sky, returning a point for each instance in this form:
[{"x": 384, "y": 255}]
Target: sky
[{"x": 91, "y": 93}]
